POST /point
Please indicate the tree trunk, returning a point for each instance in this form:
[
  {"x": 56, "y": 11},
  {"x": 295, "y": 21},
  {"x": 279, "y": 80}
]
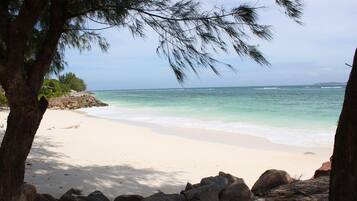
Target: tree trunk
[
  {"x": 23, "y": 121},
  {"x": 343, "y": 180}
]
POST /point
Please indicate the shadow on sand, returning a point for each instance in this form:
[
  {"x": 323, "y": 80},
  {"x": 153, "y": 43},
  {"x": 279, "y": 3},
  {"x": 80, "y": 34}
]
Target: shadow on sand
[{"x": 44, "y": 170}]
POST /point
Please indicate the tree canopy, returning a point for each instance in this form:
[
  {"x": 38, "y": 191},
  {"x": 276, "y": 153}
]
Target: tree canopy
[
  {"x": 72, "y": 81},
  {"x": 188, "y": 33},
  {"x": 34, "y": 35}
]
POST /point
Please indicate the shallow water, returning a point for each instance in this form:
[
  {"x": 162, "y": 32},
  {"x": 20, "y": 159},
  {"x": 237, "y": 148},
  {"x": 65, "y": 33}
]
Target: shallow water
[{"x": 294, "y": 115}]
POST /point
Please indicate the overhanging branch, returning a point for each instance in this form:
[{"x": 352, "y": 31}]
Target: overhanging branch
[
  {"x": 4, "y": 13},
  {"x": 209, "y": 17},
  {"x": 45, "y": 56},
  {"x": 19, "y": 30}
]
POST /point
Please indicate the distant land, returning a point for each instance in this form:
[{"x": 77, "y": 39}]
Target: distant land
[{"x": 331, "y": 84}]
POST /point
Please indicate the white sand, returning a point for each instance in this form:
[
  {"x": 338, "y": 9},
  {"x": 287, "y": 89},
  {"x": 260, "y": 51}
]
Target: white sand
[{"x": 75, "y": 150}]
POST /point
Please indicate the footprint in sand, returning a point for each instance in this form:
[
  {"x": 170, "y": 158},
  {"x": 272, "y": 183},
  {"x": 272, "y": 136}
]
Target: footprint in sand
[
  {"x": 51, "y": 128},
  {"x": 72, "y": 127}
]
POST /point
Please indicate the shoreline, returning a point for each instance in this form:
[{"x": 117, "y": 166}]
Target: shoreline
[
  {"x": 217, "y": 136},
  {"x": 75, "y": 150}
]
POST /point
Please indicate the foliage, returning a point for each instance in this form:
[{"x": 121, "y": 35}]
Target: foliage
[
  {"x": 188, "y": 31},
  {"x": 3, "y": 100},
  {"x": 34, "y": 35},
  {"x": 72, "y": 81},
  {"x": 53, "y": 88}
]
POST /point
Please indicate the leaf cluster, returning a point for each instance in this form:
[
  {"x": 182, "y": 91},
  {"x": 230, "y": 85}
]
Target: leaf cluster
[
  {"x": 189, "y": 34},
  {"x": 72, "y": 81},
  {"x": 53, "y": 88}
]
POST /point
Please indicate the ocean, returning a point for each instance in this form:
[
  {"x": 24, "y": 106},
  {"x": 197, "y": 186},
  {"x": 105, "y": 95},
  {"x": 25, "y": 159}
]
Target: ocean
[{"x": 291, "y": 115}]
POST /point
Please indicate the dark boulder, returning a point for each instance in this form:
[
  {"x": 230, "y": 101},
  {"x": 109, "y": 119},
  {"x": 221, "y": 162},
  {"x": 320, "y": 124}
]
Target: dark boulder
[
  {"x": 97, "y": 196},
  {"x": 165, "y": 197},
  {"x": 224, "y": 187},
  {"x": 307, "y": 190},
  {"x": 189, "y": 186},
  {"x": 324, "y": 170},
  {"x": 271, "y": 179},
  {"x": 129, "y": 198},
  {"x": 73, "y": 195},
  {"x": 207, "y": 192},
  {"x": 236, "y": 191}
]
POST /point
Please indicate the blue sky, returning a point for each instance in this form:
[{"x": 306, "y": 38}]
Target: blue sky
[{"x": 314, "y": 52}]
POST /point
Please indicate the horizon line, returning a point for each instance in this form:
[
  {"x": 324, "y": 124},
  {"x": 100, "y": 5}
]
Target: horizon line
[{"x": 247, "y": 86}]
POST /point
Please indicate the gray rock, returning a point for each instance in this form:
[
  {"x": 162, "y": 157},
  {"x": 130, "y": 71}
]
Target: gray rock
[
  {"x": 308, "y": 190},
  {"x": 324, "y": 170},
  {"x": 97, "y": 196},
  {"x": 208, "y": 192},
  {"x": 229, "y": 177},
  {"x": 129, "y": 198},
  {"x": 236, "y": 191},
  {"x": 271, "y": 179},
  {"x": 224, "y": 187},
  {"x": 72, "y": 195},
  {"x": 189, "y": 186},
  {"x": 220, "y": 181},
  {"x": 165, "y": 197}
]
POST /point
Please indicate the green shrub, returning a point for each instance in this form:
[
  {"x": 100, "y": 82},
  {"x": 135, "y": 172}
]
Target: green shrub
[
  {"x": 73, "y": 82},
  {"x": 3, "y": 100},
  {"x": 53, "y": 88}
]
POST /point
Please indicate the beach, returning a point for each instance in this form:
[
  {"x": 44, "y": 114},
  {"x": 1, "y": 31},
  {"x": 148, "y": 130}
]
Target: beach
[{"x": 75, "y": 150}]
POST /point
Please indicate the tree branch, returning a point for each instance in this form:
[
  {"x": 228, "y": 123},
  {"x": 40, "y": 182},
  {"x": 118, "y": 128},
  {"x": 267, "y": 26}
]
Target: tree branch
[
  {"x": 4, "y": 14},
  {"x": 90, "y": 29},
  {"x": 20, "y": 29},
  {"x": 187, "y": 18},
  {"x": 349, "y": 65},
  {"x": 44, "y": 58}
]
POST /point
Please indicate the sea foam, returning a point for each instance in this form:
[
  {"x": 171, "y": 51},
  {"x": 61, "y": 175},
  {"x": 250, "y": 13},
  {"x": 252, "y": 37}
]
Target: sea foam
[{"x": 286, "y": 136}]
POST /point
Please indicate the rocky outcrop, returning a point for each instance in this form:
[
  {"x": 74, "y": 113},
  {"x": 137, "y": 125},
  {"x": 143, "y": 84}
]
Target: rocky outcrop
[
  {"x": 269, "y": 180},
  {"x": 165, "y": 197},
  {"x": 223, "y": 187},
  {"x": 324, "y": 170},
  {"x": 97, "y": 196},
  {"x": 236, "y": 191},
  {"x": 129, "y": 198},
  {"x": 308, "y": 190},
  {"x": 72, "y": 195},
  {"x": 75, "y": 100}
]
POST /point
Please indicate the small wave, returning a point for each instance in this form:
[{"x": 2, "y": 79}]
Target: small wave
[
  {"x": 335, "y": 87},
  {"x": 288, "y": 136},
  {"x": 267, "y": 88}
]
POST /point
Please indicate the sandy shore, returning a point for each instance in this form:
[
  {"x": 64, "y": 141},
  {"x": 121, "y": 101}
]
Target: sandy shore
[{"x": 72, "y": 149}]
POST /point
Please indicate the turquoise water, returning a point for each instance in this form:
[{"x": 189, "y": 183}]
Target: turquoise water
[{"x": 299, "y": 115}]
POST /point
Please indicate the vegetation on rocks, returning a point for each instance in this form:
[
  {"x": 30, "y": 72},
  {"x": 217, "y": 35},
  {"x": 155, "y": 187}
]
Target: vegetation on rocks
[
  {"x": 75, "y": 100},
  {"x": 65, "y": 93},
  {"x": 72, "y": 81},
  {"x": 53, "y": 88},
  {"x": 3, "y": 100}
]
